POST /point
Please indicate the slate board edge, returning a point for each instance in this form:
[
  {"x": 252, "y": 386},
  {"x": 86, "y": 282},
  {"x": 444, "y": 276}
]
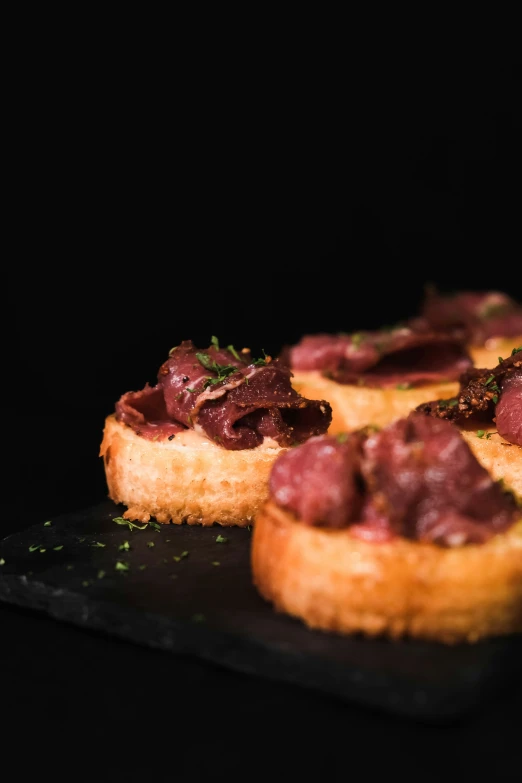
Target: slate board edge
[{"x": 230, "y": 652}]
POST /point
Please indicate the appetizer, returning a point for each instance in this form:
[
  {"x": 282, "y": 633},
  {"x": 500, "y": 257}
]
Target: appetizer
[
  {"x": 397, "y": 532},
  {"x": 198, "y": 446}
]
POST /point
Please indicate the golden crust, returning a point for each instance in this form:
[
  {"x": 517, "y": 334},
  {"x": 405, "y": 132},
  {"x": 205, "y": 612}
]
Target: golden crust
[
  {"x": 188, "y": 479},
  {"x": 335, "y": 582},
  {"x": 487, "y": 355},
  {"x": 357, "y": 406},
  {"x": 501, "y": 459}
]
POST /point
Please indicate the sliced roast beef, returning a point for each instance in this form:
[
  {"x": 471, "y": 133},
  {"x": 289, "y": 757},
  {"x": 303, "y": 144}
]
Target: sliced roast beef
[
  {"x": 415, "y": 478},
  {"x": 508, "y": 414},
  {"x": 226, "y": 396},
  {"x": 487, "y": 396},
  {"x": 383, "y": 358},
  {"x": 473, "y": 315}
]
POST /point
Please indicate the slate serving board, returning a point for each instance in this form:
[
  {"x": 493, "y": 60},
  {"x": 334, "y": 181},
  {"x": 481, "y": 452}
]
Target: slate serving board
[{"x": 192, "y": 594}]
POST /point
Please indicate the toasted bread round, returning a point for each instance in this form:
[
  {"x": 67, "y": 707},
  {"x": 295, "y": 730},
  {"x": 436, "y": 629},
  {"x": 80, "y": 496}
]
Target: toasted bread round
[
  {"x": 335, "y": 582},
  {"x": 354, "y": 406},
  {"x": 187, "y": 479},
  {"x": 488, "y": 355},
  {"x": 503, "y": 460}
]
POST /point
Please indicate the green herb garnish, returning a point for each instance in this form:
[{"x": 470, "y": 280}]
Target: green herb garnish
[
  {"x": 150, "y": 544},
  {"x": 483, "y": 434},
  {"x": 124, "y": 547},
  {"x": 130, "y": 525},
  {"x": 57, "y": 548},
  {"x": 100, "y": 574},
  {"x": 2, "y": 561},
  {"x": 221, "y": 539},
  {"x": 99, "y": 545},
  {"x": 491, "y": 378},
  {"x": 34, "y": 547},
  {"x": 516, "y": 350},
  {"x": 233, "y": 352},
  {"x": 121, "y": 566},
  {"x": 48, "y": 524}
]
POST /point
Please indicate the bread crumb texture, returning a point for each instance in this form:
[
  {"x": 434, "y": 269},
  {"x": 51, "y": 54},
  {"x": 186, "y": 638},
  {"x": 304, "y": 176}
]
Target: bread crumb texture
[
  {"x": 186, "y": 480},
  {"x": 335, "y": 582}
]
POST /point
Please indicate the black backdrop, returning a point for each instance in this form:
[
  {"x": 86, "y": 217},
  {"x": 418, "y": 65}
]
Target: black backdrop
[{"x": 249, "y": 214}]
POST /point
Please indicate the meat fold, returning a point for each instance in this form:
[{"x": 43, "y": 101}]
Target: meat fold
[
  {"x": 416, "y": 478},
  {"x": 225, "y": 395},
  {"x": 474, "y": 316},
  {"x": 381, "y": 358}
]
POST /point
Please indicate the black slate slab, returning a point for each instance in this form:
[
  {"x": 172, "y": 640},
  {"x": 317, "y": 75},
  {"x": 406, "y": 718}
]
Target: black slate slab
[{"x": 191, "y": 594}]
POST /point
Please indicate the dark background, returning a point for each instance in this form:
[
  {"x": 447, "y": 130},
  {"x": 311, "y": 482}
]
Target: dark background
[{"x": 256, "y": 212}]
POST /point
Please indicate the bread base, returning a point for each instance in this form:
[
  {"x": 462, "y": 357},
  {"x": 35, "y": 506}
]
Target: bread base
[
  {"x": 501, "y": 459},
  {"x": 188, "y": 479},
  {"x": 335, "y": 582},
  {"x": 354, "y": 406},
  {"x": 488, "y": 355}
]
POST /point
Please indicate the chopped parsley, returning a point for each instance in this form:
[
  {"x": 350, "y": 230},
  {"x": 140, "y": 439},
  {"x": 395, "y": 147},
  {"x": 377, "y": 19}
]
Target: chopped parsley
[
  {"x": 483, "y": 434},
  {"x": 133, "y": 526},
  {"x": 47, "y": 524},
  {"x": 99, "y": 545},
  {"x": 124, "y": 547},
  {"x": 2, "y": 561},
  {"x": 500, "y": 359},
  {"x": 177, "y": 558},
  {"x": 100, "y": 574},
  {"x": 150, "y": 544},
  {"x": 221, "y": 539},
  {"x": 121, "y": 566},
  {"x": 57, "y": 548},
  {"x": 491, "y": 378},
  {"x": 34, "y": 547},
  {"x": 216, "y": 563},
  {"x": 516, "y": 350},
  {"x": 448, "y": 403},
  {"x": 233, "y": 352},
  {"x": 222, "y": 370}
]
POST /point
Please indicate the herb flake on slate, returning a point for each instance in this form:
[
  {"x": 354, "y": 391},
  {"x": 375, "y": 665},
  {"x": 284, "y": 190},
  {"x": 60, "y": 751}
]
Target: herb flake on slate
[{"x": 221, "y": 539}]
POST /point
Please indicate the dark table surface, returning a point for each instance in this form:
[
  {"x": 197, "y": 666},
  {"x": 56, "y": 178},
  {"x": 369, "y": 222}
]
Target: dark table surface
[{"x": 128, "y": 710}]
